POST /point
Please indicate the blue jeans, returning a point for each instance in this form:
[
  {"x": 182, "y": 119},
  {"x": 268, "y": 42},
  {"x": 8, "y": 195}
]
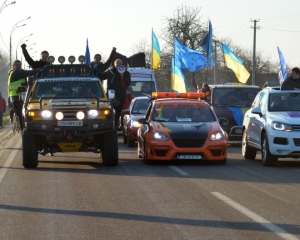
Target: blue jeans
[{"x": 1, "y": 116}]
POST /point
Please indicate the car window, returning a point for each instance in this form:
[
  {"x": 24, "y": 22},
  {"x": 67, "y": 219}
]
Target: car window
[
  {"x": 174, "y": 113},
  {"x": 284, "y": 102},
  {"x": 140, "y": 106}
]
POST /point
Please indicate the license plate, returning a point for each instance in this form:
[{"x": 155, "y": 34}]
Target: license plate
[
  {"x": 238, "y": 130},
  {"x": 69, "y": 123},
  {"x": 189, "y": 156}
]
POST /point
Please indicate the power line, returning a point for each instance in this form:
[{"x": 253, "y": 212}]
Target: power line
[{"x": 279, "y": 30}]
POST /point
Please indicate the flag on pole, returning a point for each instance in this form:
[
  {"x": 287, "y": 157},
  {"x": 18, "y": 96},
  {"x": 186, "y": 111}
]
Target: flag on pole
[
  {"x": 282, "y": 74},
  {"x": 207, "y": 47},
  {"x": 187, "y": 58},
  {"x": 87, "y": 53},
  {"x": 155, "y": 53},
  {"x": 178, "y": 80},
  {"x": 235, "y": 64}
]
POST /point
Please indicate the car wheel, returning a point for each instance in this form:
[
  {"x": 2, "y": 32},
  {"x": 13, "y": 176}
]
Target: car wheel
[
  {"x": 124, "y": 138},
  {"x": 139, "y": 151},
  {"x": 267, "y": 158},
  {"x": 130, "y": 143},
  {"x": 145, "y": 156},
  {"x": 29, "y": 150},
  {"x": 247, "y": 151},
  {"x": 110, "y": 149}
]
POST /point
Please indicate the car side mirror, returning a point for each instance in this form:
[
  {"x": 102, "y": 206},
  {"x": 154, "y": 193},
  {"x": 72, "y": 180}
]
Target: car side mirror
[
  {"x": 111, "y": 94},
  {"x": 257, "y": 110},
  {"x": 142, "y": 121}
]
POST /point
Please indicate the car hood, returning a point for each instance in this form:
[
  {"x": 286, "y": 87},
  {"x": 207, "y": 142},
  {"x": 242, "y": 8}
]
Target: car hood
[
  {"x": 285, "y": 117},
  {"x": 186, "y": 130}
]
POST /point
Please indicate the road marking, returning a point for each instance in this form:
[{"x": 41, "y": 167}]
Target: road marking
[
  {"x": 9, "y": 160},
  {"x": 178, "y": 170},
  {"x": 255, "y": 217}
]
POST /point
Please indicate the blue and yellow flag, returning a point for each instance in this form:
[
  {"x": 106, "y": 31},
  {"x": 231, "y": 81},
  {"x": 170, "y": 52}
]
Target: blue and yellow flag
[
  {"x": 155, "y": 53},
  {"x": 187, "y": 58},
  {"x": 87, "y": 53},
  {"x": 282, "y": 75},
  {"x": 207, "y": 47},
  {"x": 178, "y": 80},
  {"x": 235, "y": 64}
]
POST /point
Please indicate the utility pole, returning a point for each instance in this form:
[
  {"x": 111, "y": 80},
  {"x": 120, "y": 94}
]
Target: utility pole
[
  {"x": 215, "y": 65},
  {"x": 254, "y": 50}
]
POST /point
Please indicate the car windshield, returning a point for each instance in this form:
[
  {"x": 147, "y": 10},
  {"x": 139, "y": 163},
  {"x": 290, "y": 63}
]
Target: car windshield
[
  {"x": 68, "y": 89},
  {"x": 177, "y": 113},
  {"x": 283, "y": 101},
  {"x": 234, "y": 96},
  {"x": 140, "y": 106},
  {"x": 138, "y": 88}
]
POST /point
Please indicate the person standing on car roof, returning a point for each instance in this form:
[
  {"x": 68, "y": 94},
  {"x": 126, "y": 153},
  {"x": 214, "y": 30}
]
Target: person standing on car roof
[
  {"x": 35, "y": 64},
  {"x": 17, "y": 78},
  {"x": 293, "y": 81},
  {"x": 100, "y": 67},
  {"x": 119, "y": 82}
]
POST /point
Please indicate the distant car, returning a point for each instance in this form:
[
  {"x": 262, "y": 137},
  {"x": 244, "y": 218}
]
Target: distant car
[
  {"x": 137, "y": 110},
  {"x": 178, "y": 126},
  {"x": 230, "y": 102},
  {"x": 272, "y": 126}
]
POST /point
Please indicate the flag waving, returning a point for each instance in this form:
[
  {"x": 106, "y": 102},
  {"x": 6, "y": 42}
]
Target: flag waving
[
  {"x": 282, "y": 75},
  {"x": 87, "y": 53},
  {"x": 155, "y": 53},
  {"x": 235, "y": 64},
  {"x": 178, "y": 80},
  {"x": 207, "y": 47},
  {"x": 187, "y": 58}
]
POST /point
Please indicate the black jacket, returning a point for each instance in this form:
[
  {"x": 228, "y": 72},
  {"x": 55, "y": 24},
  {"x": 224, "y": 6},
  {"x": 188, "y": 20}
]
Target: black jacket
[
  {"x": 116, "y": 82},
  {"x": 33, "y": 64},
  {"x": 102, "y": 67},
  {"x": 290, "y": 84}
]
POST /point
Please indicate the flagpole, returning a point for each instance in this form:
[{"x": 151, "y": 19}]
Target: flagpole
[{"x": 215, "y": 60}]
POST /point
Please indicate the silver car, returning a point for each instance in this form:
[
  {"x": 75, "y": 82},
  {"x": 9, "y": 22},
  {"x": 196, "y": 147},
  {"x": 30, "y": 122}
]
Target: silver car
[{"x": 272, "y": 126}]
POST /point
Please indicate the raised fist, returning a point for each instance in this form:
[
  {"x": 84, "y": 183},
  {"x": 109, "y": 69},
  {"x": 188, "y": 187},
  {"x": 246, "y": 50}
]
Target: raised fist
[{"x": 23, "y": 46}]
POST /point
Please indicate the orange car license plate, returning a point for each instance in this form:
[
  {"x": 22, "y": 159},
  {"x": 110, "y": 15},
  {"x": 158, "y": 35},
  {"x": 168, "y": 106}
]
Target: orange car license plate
[{"x": 189, "y": 156}]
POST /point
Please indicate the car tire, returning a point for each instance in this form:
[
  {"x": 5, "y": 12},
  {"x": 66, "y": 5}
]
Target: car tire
[
  {"x": 145, "y": 156},
  {"x": 267, "y": 158},
  {"x": 124, "y": 138},
  {"x": 29, "y": 150},
  {"x": 139, "y": 151},
  {"x": 130, "y": 143},
  {"x": 223, "y": 162},
  {"x": 247, "y": 151},
  {"x": 110, "y": 149}
]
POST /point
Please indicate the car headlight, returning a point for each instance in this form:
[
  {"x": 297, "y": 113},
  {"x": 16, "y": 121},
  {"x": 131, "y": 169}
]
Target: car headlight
[
  {"x": 160, "y": 136},
  {"x": 135, "y": 124},
  {"x": 281, "y": 126},
  {"x": 46, "y": 115},
  {"x": 92, "y": 114},
  {"x": 216, "y": 136}
]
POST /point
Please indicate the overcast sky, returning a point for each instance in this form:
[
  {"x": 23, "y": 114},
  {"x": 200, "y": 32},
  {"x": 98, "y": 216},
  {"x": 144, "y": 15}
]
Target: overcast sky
[{"x": 62, "y": 26}]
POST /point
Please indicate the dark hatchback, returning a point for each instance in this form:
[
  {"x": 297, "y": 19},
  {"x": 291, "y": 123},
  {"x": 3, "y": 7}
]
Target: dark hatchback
[{"x": 230, "y": 102}]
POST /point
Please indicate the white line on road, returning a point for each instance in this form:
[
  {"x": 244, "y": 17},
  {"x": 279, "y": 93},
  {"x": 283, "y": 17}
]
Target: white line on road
[
  {"x": 178, "y": 170},
  {"x": 9, "y": 160},
  {"x": 255, "y": 217}
]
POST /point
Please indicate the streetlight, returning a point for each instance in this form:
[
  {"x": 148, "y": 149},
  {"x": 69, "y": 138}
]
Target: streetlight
[
  {"x": 5, "y": 5},
  {"x": 11, "y": 32},
  {"x": 20, "y": 42}
]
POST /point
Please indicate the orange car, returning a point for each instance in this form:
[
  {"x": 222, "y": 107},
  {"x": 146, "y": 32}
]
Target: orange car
[{"x": 178, "y": 126}]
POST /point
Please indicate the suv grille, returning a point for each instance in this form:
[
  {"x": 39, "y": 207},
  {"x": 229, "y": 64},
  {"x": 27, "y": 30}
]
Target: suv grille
[
  {"x": 69, "y": 115},
  {"x": 297, "y": 141},
  {"x": 296, "y": 127}
]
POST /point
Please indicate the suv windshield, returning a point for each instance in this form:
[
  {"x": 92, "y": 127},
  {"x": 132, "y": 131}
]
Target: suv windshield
[
  {"x": 233, "y": 96},
  {"x": 284, "y": 102},
  {"x": 46, "y": 88}
]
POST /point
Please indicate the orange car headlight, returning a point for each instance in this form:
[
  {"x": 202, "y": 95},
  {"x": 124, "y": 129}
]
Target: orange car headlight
[
  {"x": 160, "y": 136},
  {"x": 216, "y": 136}
]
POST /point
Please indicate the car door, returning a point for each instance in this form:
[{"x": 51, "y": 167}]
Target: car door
[{"x": 257, "y": 121}]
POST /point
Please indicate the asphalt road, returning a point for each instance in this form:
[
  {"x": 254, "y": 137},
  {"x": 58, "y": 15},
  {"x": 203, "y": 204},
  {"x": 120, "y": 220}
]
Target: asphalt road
[{"x": 73, "y": 196}]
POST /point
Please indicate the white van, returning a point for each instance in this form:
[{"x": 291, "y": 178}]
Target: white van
[{"x": 141, "y": 78}]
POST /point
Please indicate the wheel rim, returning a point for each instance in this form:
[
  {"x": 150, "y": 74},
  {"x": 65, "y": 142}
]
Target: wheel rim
[
  {"x": 263, "y": 150},
  {"x": 244, "y": 144}
]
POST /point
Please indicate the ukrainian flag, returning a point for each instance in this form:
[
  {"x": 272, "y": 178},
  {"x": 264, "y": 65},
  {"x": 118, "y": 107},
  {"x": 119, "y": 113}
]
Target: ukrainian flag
[
  {"x": 235, "y": 64},
  {"x": 155, "y": 53},
  {"x": 178, "y": 80}
]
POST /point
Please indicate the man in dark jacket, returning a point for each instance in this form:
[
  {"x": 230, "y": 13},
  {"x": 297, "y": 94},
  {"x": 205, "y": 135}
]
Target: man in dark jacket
[
  {"x": 119, "y": 82},
  {"x": 100, "y": 67},
  {"x": 35, "y": 64},
  {"x": 293, "y": 81}
]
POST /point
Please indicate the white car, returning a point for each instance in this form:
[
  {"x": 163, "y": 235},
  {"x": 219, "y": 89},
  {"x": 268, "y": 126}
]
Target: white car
[{"x": 272, "y": 126}]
